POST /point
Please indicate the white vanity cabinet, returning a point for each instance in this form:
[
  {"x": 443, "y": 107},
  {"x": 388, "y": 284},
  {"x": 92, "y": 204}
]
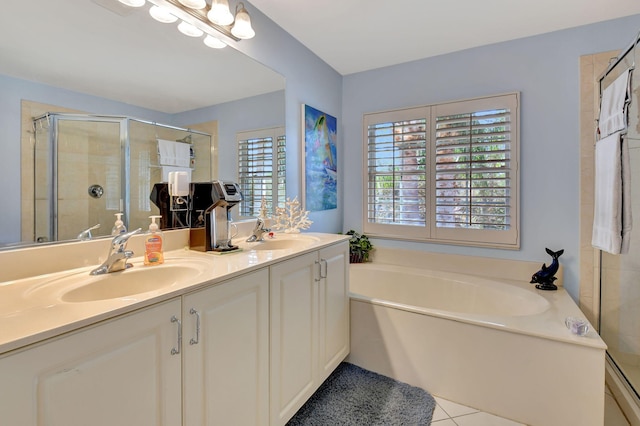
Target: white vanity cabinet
[
  {"x": 249, "y": 350},
  {"x": 226, "y": 352},
  {"x": 120, "y": 372},
  {"x": 309, "y": 326}
]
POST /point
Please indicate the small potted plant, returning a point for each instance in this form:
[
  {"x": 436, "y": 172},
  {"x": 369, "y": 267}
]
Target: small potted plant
[{"x": 359, "y": 247}]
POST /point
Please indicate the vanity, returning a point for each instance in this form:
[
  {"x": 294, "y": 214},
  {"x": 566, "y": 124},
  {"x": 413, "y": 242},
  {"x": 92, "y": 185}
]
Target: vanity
[{"x": 242, "y": 338}]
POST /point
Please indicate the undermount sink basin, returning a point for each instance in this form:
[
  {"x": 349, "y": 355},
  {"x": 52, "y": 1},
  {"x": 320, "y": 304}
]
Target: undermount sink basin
[
  {"x": 82, "y": 287},
  {"x": 289, "y": 242}
]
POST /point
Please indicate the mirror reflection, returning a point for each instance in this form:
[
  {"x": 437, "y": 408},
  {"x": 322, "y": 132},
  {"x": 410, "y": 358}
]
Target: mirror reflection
[{"x": 115, "y": 82}]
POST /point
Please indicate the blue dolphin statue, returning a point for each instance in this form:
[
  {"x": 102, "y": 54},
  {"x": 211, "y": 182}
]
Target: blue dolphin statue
[{"x": 545, "y": 276}]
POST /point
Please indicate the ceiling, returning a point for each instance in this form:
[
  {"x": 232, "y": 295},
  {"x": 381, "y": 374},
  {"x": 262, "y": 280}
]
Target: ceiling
[
  {"x": 103, "y": 48},
  {"x": 359, "y": 35}
]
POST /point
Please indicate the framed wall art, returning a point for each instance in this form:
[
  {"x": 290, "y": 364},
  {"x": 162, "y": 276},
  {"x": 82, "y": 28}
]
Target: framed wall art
[{"x": 319, "y": 160}]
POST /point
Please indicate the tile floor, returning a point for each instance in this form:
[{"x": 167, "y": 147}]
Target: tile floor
[{"x": 449, "y": 413}]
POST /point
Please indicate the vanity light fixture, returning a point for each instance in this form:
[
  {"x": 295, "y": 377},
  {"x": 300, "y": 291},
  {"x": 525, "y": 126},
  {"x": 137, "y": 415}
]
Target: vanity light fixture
[
  {"x": 214, "y": 42},
  {"x": 161, "y": 14},
  {"x": 194, "y": 4},
  {"x": 189, "y": 30},
  {"x": 133, "y": 3},
  {"x": 242, "y": 26},
  {"x": 197, "y": 18},
  {"x": 220, "y": 13}
]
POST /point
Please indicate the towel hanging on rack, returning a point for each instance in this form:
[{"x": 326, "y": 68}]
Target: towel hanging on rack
[
  {"x": 613, "y": 105},
  {"x": 172, "y": 153},
  {"x": 612, "y": 204}
]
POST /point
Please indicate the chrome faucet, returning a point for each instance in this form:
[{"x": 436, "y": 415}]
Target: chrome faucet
[
  {"x": 86, "y": 234},
  {"x": 258, "y": 231},
  {"x": 118, "y": 255}
]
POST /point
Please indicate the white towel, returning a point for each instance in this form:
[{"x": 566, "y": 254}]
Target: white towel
[
  {"x": 172, "y": 153},
  {"x": 613, "y": 105},
  {"x": 612, "y": 205}
]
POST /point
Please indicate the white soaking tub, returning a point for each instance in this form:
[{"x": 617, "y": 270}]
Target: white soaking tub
[{"x": 501, "y": 347}]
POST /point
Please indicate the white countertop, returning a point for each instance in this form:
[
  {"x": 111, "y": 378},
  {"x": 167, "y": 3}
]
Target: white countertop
[{"x": 31, "y": 308}]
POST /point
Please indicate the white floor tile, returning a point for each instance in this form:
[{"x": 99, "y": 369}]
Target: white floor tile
[
  {"x": 439, "y": 414},
  {"x": 483, "y": 419},
  {"x": 453, "y": 409}
]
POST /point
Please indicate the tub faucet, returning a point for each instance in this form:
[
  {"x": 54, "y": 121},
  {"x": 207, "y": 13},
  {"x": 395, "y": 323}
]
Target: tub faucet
[
  {"x": 258, "y": 231},
  {"x": 118, "y": 255}
]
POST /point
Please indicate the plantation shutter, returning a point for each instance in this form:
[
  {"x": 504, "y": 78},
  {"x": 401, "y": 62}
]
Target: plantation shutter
[
  {"x": 281, "y": 169},
  {"x": 397, "y": 171},
  {"x": 261, "y": 169},
  {"x": 472, "y": 170},
  {"x": 475, "y": 170}
]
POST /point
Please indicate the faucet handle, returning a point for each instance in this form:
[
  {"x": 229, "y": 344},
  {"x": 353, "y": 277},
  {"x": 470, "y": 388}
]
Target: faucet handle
[
  {"x": 86, "y": 234},
  {"x": 119, "y": 241}
]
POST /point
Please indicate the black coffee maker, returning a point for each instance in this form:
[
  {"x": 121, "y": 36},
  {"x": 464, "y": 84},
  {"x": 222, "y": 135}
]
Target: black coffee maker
[{"x": 210, "y": 205}]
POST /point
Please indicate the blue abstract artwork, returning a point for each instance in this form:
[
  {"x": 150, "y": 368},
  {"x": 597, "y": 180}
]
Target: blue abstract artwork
[{"x": 320, "y": 160}]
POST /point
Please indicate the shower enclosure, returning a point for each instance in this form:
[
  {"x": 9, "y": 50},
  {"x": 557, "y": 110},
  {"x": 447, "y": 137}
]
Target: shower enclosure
[
  {"x": 620, "y": 274},
  {"x": 87, "y": 168}
]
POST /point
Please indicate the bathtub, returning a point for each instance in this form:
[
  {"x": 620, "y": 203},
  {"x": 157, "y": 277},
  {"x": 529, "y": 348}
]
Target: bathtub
[{"x": 501, "y": 347}]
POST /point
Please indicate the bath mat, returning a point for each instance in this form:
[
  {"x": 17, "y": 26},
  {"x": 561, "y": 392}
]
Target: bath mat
[{"x": 354, "y": 396}]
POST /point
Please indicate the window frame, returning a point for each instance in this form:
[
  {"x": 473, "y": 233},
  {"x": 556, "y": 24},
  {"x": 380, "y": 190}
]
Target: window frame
[{"x": 504, "y": 239}]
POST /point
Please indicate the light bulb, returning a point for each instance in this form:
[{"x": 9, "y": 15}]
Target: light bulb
[
  {"x": 161, "y": 14},
  {"x": 194, "y": 4},
  {"x": 214, "y": 42},
  {"x": 242, "y": 27},
  {"x": 133, "y": 3},
  {"x": 189, "y": 30},
  {"x": 220, "y": 13}
]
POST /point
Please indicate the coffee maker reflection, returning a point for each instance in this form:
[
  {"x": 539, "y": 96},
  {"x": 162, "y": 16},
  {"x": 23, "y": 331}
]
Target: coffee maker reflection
[
  {"x": 171, "y": 217},
  {"x": 210, "y": 205}
]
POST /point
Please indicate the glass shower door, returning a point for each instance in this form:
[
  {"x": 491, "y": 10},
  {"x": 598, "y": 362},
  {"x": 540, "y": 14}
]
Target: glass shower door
[
  {"x": 620, "y": 274},
  {"x": 84, "y": 177}
]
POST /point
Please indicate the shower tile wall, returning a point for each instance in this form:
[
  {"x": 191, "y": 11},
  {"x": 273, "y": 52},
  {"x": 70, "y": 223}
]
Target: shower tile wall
[{"x": 88, "y": 153}]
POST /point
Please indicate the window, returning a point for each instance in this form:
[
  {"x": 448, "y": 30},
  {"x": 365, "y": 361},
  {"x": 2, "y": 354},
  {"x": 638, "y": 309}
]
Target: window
[
  {"x": 444, "y": 173},
  {"x": 261, "y": 169}
]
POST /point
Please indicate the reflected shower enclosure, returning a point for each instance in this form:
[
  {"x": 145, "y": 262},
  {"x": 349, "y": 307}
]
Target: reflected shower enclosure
[{"x": 87, "y": 168}]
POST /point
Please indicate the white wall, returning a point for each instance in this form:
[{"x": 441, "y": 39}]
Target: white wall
[{"x": 545, "y": 70}]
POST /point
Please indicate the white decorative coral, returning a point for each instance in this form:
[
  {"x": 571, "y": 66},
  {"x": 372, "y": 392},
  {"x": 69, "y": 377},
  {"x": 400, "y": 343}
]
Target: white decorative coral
[{"x": 291, "y": 218}]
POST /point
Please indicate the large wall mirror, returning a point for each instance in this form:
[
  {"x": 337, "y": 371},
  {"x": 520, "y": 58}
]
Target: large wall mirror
[{"x": 101, "y": 58}]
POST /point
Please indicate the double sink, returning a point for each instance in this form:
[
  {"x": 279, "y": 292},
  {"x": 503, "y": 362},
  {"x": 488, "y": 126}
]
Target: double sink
[{"x": 80, "y": 287}]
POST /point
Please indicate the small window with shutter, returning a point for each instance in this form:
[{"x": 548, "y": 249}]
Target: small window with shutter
[{"x": 261, "y": 170}]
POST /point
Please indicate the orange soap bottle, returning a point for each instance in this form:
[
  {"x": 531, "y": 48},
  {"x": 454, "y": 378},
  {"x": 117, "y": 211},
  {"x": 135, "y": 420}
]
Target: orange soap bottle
[{"x": 153, "y": 240}]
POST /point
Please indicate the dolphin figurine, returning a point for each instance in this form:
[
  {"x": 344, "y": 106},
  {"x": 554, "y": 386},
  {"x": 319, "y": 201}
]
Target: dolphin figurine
[{"x": 545, "y": 276}]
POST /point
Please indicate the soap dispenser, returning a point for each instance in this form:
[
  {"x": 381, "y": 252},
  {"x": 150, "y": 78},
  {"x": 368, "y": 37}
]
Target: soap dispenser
[
  {"x": 118, "y": 227},
  {"x": 153, "y": 240}
]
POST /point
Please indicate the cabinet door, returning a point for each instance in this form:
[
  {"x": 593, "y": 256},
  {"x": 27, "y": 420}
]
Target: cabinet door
[
  {"x": 294, "y": 335},
  {"x": 334, "y": 308},
  {"x": 226, "y": 356},
  {"x": 121, "y": 372}
]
